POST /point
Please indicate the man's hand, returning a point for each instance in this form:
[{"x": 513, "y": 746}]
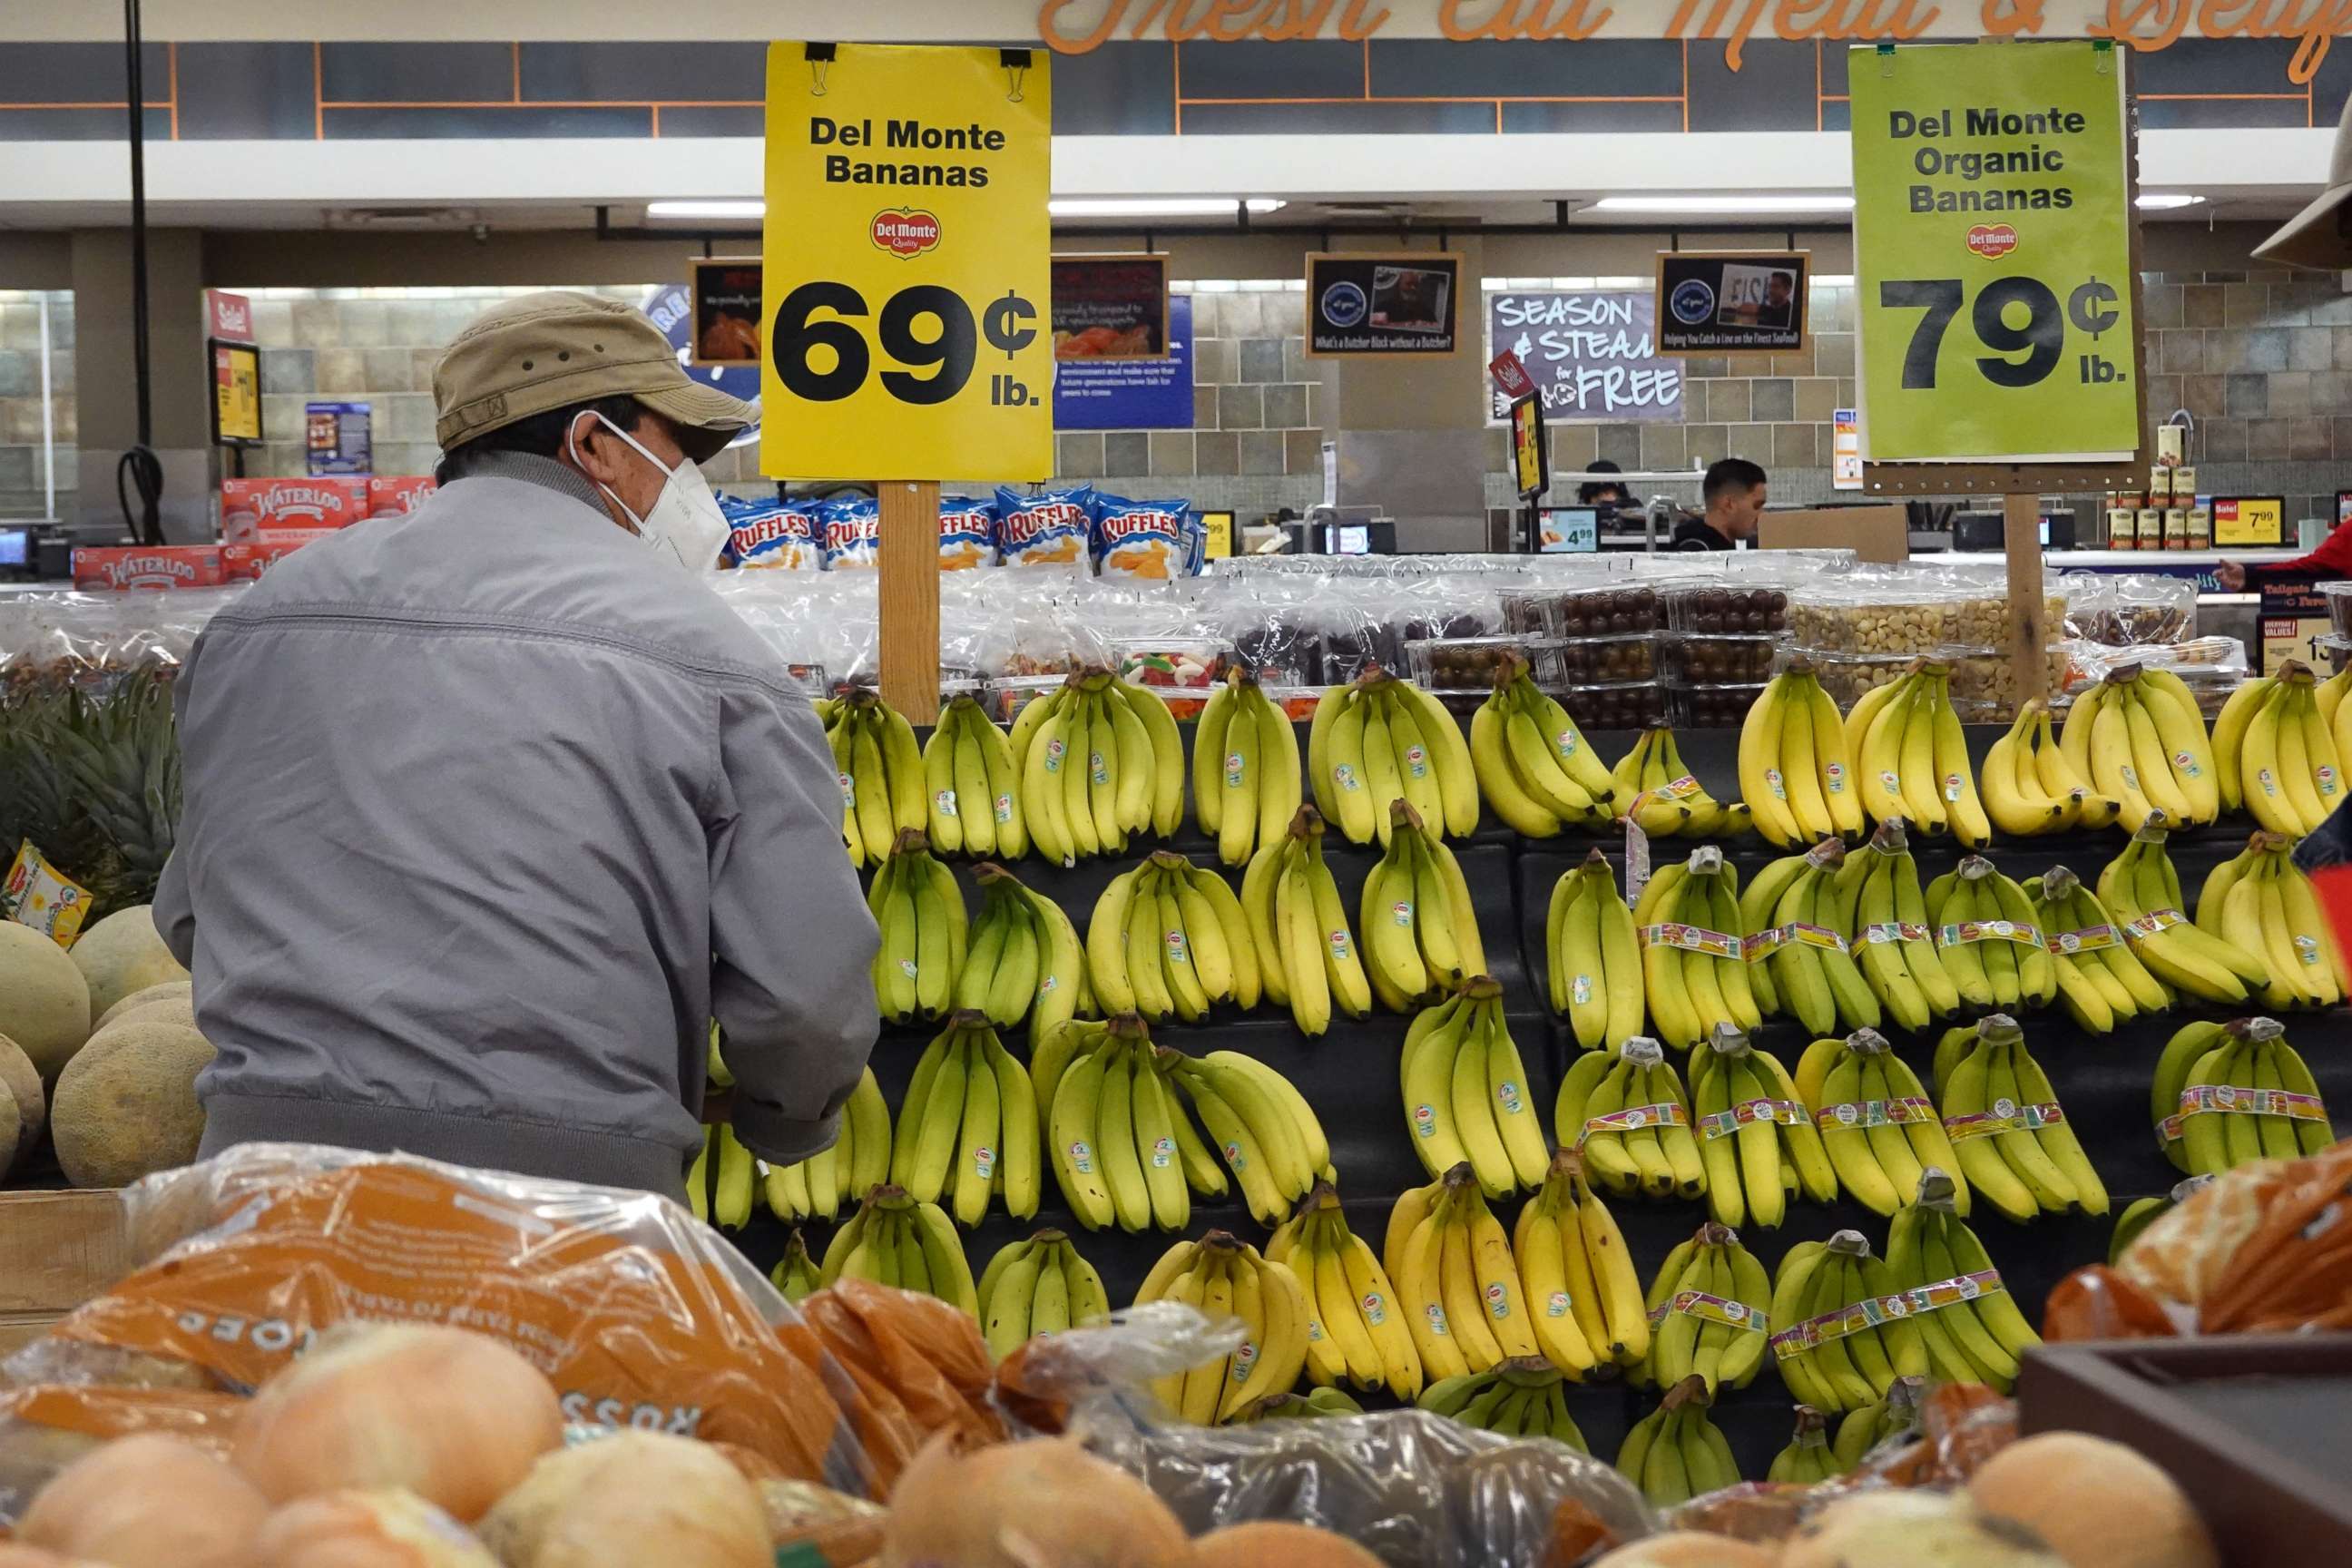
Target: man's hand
[{"x": 2231, "y": 576}]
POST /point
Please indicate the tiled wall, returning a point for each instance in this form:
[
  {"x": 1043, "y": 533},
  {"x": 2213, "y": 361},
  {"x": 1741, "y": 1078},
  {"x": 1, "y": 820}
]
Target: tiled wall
[{"x": 21, "y": 493}]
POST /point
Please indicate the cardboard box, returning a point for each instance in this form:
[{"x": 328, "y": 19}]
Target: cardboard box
[
  {"x": 246, "y": 563},
  {"x": 252, "y": 507},
  {"x": 398, "y": 496},
  {"x": 148, "y": 566},
  {"x": 57, "y": 1249},
  {"x": 1878, "y": 533}
]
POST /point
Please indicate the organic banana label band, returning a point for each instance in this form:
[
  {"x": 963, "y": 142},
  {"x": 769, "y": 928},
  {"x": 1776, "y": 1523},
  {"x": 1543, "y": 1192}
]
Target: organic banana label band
[
  {"x": 1748, "y": 1112},
  {"x": 2089, "y": 939},
  {"x": 2153, "y": 923},
  {"x": 1710, "y": 1308},
  {"x": 1892, "y": 931},
  {"x": 1875, "y": 1112},
  {"x": 1693, "y": 938},
  {"x": 1765, "y": 944},
  {"x": 1990, "y": 931},
  {"x": 1634, "y": 1118},
  {"x": 2229, "y": 1100},
  {"x": 1873, "y": 1311},
  {"x": 2004, "y": 1117}
]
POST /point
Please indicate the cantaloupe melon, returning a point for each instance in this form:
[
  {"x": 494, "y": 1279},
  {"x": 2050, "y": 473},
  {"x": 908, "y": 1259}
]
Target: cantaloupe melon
[
  {"x": 162, "y": 1010},
  {"x": 126, "y": 1104},
  {"x": 2099, "y": 1504},
  {"x": 122, "y": 954},
  {"x": 170, "y": 990},
  {"x": 1689, "y": 1549},
  {"x": 1279, "y": 1544},
  {"x": 23, "y": 1082},
  {"x": 44, "y": 1000}
]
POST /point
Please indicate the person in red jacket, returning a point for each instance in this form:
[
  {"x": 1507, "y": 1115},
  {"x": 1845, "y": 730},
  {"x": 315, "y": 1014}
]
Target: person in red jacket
[{"x": 2332, "y": 560}]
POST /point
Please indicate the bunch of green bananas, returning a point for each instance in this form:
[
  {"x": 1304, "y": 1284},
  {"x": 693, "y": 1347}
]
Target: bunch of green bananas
[
  {"x": 1915, "y": 756},
  {"x": 1420, "y": 931},
  {"x": 1756, "y": 1133},
  {"x": 1522, "y": 1397},
  {"x": 2140, "y": 1213},
  {"x": 2025, "y": 1159},
  {"x": 2031, "y": 788},
  {"x": 1467, "y": 1094},
  {"x": 2263, "y": 902},
  {"x": 1710, "y": 1301},
  {"x": 1895, "y": 949},
  {"x": 1379, "y": 739},
  {"x": 1877, "y": 1124},
  {"x": 1794, "y": 769},
  {"x": 968, "y": 1127},
  {"x": 1807, "y": 1459},
  {"x": 796, "y": 1274},
  {"x": 2216, "y": 1098},
  {"x": 1799, "y": 911},
  {"x": 2142, "y": 890},
  {"x": 1532, "y": 762},
  {"x": 1627, "y": 1113},
  {"x": 1245, "y": 782},
  {"x": 1022, "y": 957},
  {"x": 1593, "y": 957},
  {"x": 1693, "y": 954},
  {"x": 1892, "y": 1419},
  {"x": 2140, "y": 736},
  {"x": 1661, "y": 797},
  {"x": 1039, "y": 1286},
  {"x": 1118, "y": 1134},
  {"x": 1579, "y": 1281},
  {"x": 1308, "y": 960},
  {"x": 972, "y": 785},
  {"x": 1973, "y": 1332},
  {"x": 821, "y": 1185},
  {"x": 1098, "y": 760},
  {"x": 915, "y": 901},
  {"x": 897, "y": 1241},
  {"x": 1314, "y": 1405},
  {"x": 881, "y": 772},
  {"x": 1460, "y": 1285},
  {"x": 1168, "y": 938},
  {"x": 1358, "y": 1333},
  {"x": 1832, "y": 1355},
  {"x": 724, "y": 1179},
  {"x": 2100, "y": 980},
  {"x": 1225, "y": 1276},
  {"x": 1985, "y": 938},
  {"x": 1675, "y": 1453}
]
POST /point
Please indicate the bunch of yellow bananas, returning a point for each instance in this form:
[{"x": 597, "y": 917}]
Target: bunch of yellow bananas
[
  {"x": 1579, "y": 1281},
  {"x": 1625, "y": 1112},
  {"x": 1799, "y": 914},
  {"x": 1675, "y": 1453},
  {"x": 2009, "y": 1135},
  {"x": 1098, "y": 760},
  {"x": 1273, "y": 1143},
  {"x": 1895, "y": 947},
  {"x": 1466, "y": 1095},
  {"x": 1893, "y": 1418},
  {"x": 820, "y": 1187},
  {"x": 795, "y": 1275},
  {"x": 2142, "y": 890},
  {"x": 1531, "y": 761},
  {"x": 1051, "y": 1060},
  {"x": 895, "y": 1240},
  {"x": 1832, "y": 1355},
  {"x": 881, "y": 772},
  {"x": 1593, "y": 957},
  {"x": 1808, "y": 1459},
  {"x": 1358, "y": 1333},
  {"x": 1519, "y": 1399},
  {"x": 2227, "y": 1094},
  {"x": 1969, "y": 1324},
  {"x": 968, "y": 1127},
  {"x": 1914, "y": 756},
  {"x": 1168, "y": 938},
  {"x": 1756, "y": 1133},
  {"x": 1226, "y": 1277},
  {"x": 1379, "y": 739},
  {"x": 915, "y": 901},
  {"x": 1695, "y": 970},
  {"x": 1463, "y": 1303},
  {"x": 1420, "y": 931},
  {"x": 1308, "y": 959},
  {"x": 1039, "y": 1286},
  {"x": 972, "y": 786},
  {"x": 2099, "y": 979},
  {"x": 1795, "y": 771},
  {"x": 1246, "y": 784},
  {"x": 1119, "y": 1137},
  {"x": 2031, "y": 787},
  {"x": 1986, "y": 939},
  {"x": 1022, "y": 957},
  {"x": 2263, "y": 902},
  {"x": 1665, "y": 800},
  {"x": 2140, "y": 736},
  {"x": 1709, "y": 1301},
  {"x": 724, "y": 1179},
  {"x": 1877, "y": 1124}
]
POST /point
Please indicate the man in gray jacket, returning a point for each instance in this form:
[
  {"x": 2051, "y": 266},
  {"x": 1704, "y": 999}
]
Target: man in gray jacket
[{"x": 491, "y": 808}]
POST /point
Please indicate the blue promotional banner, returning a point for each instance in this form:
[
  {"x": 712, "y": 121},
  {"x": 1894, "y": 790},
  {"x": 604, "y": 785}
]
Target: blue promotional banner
[{"x": 1131, "y": 395}]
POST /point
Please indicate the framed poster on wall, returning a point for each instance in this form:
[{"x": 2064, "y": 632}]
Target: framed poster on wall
[
  {"x": 1725, "y": 302},
  {"x": 1110, "y": 307},
  {"x": 1365, "y": 304},
  {"x": 727, "y": 300}
]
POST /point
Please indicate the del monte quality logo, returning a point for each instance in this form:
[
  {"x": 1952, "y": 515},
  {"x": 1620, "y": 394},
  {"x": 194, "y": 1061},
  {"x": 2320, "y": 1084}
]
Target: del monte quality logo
[
  {"x": 1993, "y": 240},
  {"x": 905, "y": 232}
]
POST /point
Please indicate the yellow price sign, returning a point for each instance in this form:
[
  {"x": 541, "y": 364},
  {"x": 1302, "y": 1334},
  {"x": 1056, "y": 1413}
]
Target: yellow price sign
[{"x": 907, "y": 253}]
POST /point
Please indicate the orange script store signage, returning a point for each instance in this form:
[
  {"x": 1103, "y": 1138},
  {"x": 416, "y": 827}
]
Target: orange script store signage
[{"x": 1077, "y": 26}]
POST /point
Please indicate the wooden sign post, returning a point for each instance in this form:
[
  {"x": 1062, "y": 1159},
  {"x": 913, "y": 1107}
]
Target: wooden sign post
[{"x": 909, "y": 597}]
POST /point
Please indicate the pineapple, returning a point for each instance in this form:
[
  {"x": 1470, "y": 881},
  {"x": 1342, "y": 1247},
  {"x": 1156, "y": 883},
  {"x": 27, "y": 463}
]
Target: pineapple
[{"x": 94, "y": 782}]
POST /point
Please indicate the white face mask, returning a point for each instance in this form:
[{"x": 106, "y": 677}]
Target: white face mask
[{"x": 685, "y": 524}]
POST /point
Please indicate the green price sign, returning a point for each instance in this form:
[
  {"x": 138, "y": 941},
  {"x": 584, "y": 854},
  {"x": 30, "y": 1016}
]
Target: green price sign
[{"x": 1992, "y": 232}]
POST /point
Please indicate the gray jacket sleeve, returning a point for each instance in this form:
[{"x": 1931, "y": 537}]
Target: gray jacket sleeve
[
  {"x": 175, "y": 908},
  {"x": 793, "y": 942}
]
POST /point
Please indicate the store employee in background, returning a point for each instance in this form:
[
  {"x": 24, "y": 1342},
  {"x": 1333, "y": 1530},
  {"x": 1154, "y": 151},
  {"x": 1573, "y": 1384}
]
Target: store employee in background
[
  {"x": 1734, "y": 496},
  {"x": 2330, "y": 562},
  {"x": 491, "y": 808}
]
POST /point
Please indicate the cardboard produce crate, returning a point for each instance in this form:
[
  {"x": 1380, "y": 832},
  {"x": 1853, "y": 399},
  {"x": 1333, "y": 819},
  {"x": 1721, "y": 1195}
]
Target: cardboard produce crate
[{"x": 57, "y": 1249}]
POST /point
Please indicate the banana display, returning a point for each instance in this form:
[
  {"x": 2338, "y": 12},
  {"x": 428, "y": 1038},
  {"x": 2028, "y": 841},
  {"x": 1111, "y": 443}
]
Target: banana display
[
  {"x": 897, "y": 1241},
  {"x": 1593, "y": 957},
  {"x": 1307, "y": 957},
  {"x": 1380, "y": 739},
  {"x": 1421, "y": 935},
  {"x": 1808, "y": 1459},
  {"x": 1693, "y": 954},
  {"x": 1022, "y": 957},
  {"x": 2101, "y": 982},
  {"x": 1098, "y": 760},
  {"x": 1892, "y": 934},
  {"x": 2142, "y": 890},
  {"x": 970, "y": 784},
  {"x": 1800, "y": 911},
  {"x": 1986, "y": 939},
  {"x": 1272, "y": 1141},
  {"x": 1914, "y": 756},
  {"x": 1894, "y": 1419},
  {"x": 1523, "y": 1397},
  {"x": 2276, "y": 755},
  {"x": 1039, "y": 1286},
  {"x": 1967, "y": 1321},
  {"x": 796, "y": 1274},
  {"x": 1756, "y": 1134},
  {"x": 2030, "y": 787},
  {"x": 1664, "y": 800},
  {"x": 1168, "y": 938},
  {"x": 1459, "y": 1283},
  {"x": 2263, "y": 902},
  {"x": 2228, "y": 1094},
  {"x": 1796, "y": 772},
  {"x": 915, "y": 901},
  {"x": 1466, "y": 1095},
  {"x": 1627, "y": 1113},
  {"x": 968, "y": 1128},
  {"x": 2140, "y": 736},
  {"x": 1675, "y": 1453},
  {"x": 1579, "y": 1281},
  {"x": 881, "y": 772},
  {"x": 1246, "y": 785},
  {"x": 1532, "y": 762},
  {"x": 1123, "y": 1152},
  {"x": 2007, "y": 1131},
  {"x": 2140, "y": 1213},
  {"x": 1227, "y": 1278},
  {"x": 1709, "y": 1306},
  {"x": 821, "y": 1185},
  {"x": 1877, "y": 1124},
  {"x": 1835, "y": 1352},
  {"x": 1356, "y": 1330}
]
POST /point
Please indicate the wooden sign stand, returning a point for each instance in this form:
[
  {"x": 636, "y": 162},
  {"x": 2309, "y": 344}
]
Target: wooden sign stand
[{"x": 909, "y": 600}]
